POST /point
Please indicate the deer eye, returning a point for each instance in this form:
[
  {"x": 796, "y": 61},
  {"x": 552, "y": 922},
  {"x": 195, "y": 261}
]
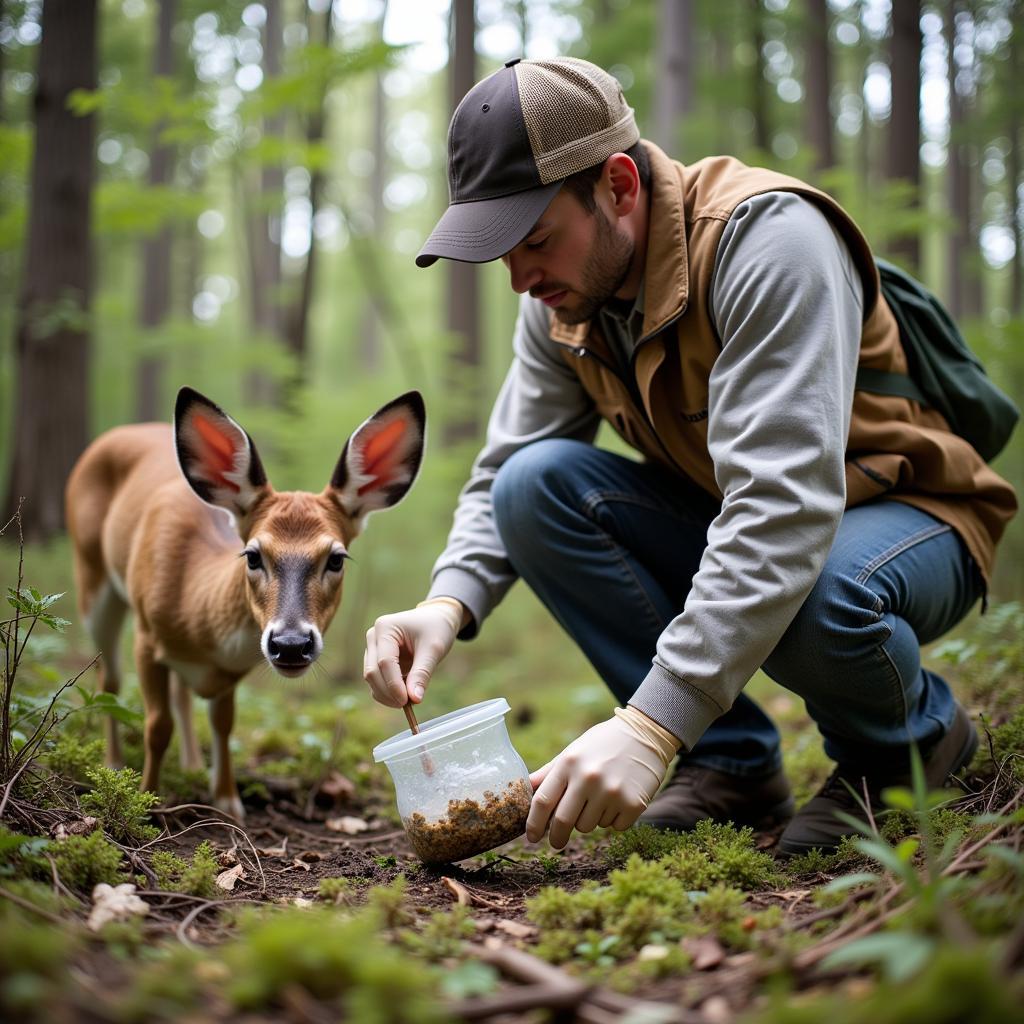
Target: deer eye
[
  {"x": 253, "y": 559},
  {"x": 336, "y": 561}
]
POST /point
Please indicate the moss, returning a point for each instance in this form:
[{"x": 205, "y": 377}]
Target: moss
[
  {"x": 84, "y": 861},
  {"x": 119, "y": 804},
  {"x": 196, "y": 877},
  {"x": 642, "y": 840},
  {"x": 442, "y": 935},
  {"x": 389, "y": 904},
  {"x": 337, "y": 890},
  {"x": 34, "y": 961},
  {"x": 72, "y": 758},
  {"x": 1008, "y": 745}
]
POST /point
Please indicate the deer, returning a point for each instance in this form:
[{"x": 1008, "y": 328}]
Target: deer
[{"x": 181, "y": 527}]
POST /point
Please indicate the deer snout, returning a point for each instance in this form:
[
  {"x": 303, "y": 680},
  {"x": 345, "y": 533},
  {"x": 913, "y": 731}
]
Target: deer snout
[{"x": 291, "y": 650}]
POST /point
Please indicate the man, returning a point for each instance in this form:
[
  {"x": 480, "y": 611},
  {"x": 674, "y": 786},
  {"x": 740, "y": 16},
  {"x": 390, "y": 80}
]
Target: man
[{"x": 715, "y": 315}]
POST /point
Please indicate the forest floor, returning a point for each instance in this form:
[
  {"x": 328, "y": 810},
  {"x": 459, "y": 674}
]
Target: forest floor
[{"x": 316, "y": 909}]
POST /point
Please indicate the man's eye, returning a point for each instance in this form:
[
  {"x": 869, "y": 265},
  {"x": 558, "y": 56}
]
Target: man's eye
[
  {"x": 336, "y": 561},
  {"x": 538, "y": 245},
  {"x": 253, "y": 560}
]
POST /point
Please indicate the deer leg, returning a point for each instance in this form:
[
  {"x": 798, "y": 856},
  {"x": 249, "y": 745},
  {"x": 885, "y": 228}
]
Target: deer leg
[
  {"x": 155, "y": 685},
  {"x": 181, "y": 703},
  {"x": 223, "y": 788}
]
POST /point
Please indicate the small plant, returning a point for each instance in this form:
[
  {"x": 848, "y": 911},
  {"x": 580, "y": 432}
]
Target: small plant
[
  {"x": 389, "y": 903},
  {"x": 120, "y": 805},
  {"x": 339, "y": 891},
  {"x": 442, "y": 935},
  {"x": 72, "y": 758},
  {"x": 84, "y": 861},
  {"x": 644, "y": 841},
  {"x": 386, "y": 860},
  {"x": 596, "y": 949},
  {"x": 195, "y": 877}
]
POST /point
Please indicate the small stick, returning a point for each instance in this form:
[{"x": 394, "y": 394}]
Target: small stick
[{"x": 414, "y": 728}]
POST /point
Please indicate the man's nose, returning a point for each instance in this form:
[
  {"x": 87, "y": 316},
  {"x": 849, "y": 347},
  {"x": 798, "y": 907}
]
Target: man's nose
[{"x": 523, "y": 271}]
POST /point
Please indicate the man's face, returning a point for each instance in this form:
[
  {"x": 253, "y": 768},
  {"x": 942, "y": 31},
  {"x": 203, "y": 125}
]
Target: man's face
[{"x": 573, "y": 261}]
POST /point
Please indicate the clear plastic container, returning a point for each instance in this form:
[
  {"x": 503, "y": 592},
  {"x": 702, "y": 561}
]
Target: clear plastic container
[{"x": 461, "y": 786}]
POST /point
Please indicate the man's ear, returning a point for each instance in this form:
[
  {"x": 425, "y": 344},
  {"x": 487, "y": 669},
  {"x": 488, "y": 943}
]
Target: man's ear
[
  {"x": 381, "y": 459},
  {"x": 217, "y": 456},
  {"x": 623, "y": 183}
]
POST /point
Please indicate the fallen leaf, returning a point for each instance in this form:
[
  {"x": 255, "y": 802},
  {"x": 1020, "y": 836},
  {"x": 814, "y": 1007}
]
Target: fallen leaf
[
  {"x": 275, "y": 851},
  {"x": 115, "y": 903},
  {"x": 516, "y": 929},
  {"x": 296, "y": 863},
  {"x": 459, "y": 891},
  {"x": 226, "y": 879},
  {"x": 227, "y": 858},
  {"x": 301, "y": 901},
  {"x": 309, "y": 856},
  {"x": 79, "y": 827},
  {"x": 792, "y": 894},
  {"x": 338, "y": 788},
  {"x": 349, "y": 825},
  {"x": 705, "y": 952}
]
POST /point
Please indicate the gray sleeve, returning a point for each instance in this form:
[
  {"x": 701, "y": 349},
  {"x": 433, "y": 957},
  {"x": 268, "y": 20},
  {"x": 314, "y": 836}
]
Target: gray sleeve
[
  {"x": 540, "y": 398},
  {"x": 787, "y": 303}
]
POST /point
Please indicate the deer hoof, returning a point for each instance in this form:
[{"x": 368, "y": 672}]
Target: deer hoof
[{"x": 230, "y": 805}]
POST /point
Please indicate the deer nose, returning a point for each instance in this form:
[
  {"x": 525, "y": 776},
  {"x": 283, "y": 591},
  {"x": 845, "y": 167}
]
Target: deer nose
[{"x": 291, "y": 648}]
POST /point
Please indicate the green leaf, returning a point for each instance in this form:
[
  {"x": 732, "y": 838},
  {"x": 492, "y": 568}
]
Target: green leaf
[
  {"x": 900, "y": 955},
  {"x": 470, "y": 978},
  {"x": 887, "y": 857},
  {"x": 899, "y": 797},
  {"x": 906, "y": 850},
  {"x": 850, "y": 881}
]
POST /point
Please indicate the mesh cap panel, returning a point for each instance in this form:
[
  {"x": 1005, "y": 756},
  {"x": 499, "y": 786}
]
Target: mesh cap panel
[{"x": 575, "y": 115}]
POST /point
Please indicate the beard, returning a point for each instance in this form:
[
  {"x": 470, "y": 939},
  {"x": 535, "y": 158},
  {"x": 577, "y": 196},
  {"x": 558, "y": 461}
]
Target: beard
[{"x": 605, "y": 269}]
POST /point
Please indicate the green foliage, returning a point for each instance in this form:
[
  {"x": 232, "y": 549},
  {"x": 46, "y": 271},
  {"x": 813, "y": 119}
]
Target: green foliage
[
  {"x": 442, "y": 935},
  {"x": 1008, "y": 746},
  {"x": 84, "y": 861},
  {"x": 646, "y": 842},
  {"x": 196, "y": 877},
  {"x": 120, "y": 805},
  {"x": 333, "y": 958},
  {"x": 73, "y": 758},
  {"x": 953, "y": 985},
  {"x": 389, "y": 903},
  {"x": 19, "y": 854}
]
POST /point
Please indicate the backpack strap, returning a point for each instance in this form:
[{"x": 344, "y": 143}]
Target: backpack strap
[{"x": 882, "y": 382}]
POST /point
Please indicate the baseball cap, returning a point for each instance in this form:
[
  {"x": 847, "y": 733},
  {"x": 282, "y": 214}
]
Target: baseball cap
[{"x": 514, "y": 138}]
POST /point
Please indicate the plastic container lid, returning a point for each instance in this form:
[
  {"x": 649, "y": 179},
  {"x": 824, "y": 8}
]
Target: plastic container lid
[{"x": 441, "y": 728}]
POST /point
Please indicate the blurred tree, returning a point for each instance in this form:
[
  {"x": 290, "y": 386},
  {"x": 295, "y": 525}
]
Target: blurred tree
[
  {"x": 673, "y": 93},
  {"x": 51, "y": 394},
  {"x": 758, "y": 85},
  {"x": 464, "y": 370},
  {"x": 818, "y": 84},
  {"x": 1013, "y": 113},
  {"x": 904, "y": 162},
  {"x": 156, "y": 250}
]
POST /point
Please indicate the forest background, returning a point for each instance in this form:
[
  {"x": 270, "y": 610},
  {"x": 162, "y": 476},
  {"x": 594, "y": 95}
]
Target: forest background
[{"x": 230, "y": 195}]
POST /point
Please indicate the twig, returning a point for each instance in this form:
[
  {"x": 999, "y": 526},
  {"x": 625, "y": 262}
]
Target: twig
[
  {"x": 194, "y": 913},
  {"x": 10, "y": 786}
]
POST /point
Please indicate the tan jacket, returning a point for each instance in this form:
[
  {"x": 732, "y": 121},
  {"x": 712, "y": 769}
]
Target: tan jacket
[{"x": 897, "y": 449}]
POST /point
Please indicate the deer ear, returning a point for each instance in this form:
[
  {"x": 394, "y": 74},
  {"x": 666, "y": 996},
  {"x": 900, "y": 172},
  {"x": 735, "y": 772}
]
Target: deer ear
[
  {"x": 381, "y": 459},
  {"x": 217, "y": 456}
]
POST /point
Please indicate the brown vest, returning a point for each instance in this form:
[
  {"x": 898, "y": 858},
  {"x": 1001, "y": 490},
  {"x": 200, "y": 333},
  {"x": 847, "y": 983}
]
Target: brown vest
[{"x": 896, "y": 449}]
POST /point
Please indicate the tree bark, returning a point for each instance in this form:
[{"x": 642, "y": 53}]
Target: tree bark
[
  {"x": 1013, "y": 170},
  {"x": 905, "y": 121},
  {"x": 818, "y": 85},
  {"x": 759, "y": 97},
  {"x": 958, "y": 181},
  {"x": 463, "y": 278},
  {"x": 156, "y": 251},
  {"x": 298, "y": 335},
  {"x": 51, "y": 420},
  {"x": 673, "y": 97}
]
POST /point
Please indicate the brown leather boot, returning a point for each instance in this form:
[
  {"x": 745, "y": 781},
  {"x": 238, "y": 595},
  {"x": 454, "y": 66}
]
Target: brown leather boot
[
  {"x": 816, "y": 825},
  {"x": 696, "y": 792}
]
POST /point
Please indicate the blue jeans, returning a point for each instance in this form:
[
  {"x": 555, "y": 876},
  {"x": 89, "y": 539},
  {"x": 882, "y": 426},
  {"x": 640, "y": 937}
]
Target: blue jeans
[{"x": 610, "y": 546}]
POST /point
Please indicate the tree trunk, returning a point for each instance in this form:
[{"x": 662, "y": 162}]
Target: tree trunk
[
  {"x": 298, "y": 336},
  {"x": 265, "y": 228},
  {"x": 156, "y": 251},
  {"x": 818, "y": 85},
  {"x": 958, "y": 181},
  {"x": 463, "y": 278},
  {"x": 673, "y": 97},
  {"x": 51, "y": 420},
  {"x": 1013, "y": 172},
  {"x": 370, "y": 336},
  {"x": 905, "y": 121},
  {"x": 759, "y": 99}
]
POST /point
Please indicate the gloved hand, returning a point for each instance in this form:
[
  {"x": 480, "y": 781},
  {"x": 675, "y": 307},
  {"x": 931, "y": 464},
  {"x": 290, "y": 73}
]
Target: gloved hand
[
  {"x": 403, "y": 649},
  {"x": 606, "y": 777}
]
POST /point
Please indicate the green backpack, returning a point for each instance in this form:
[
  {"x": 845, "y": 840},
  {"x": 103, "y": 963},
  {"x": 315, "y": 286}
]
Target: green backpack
[{"x": 943, "y": 372}]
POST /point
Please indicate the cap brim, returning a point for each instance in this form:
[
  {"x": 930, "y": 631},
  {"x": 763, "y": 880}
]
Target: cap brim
[{"x": 481, "y": 231}]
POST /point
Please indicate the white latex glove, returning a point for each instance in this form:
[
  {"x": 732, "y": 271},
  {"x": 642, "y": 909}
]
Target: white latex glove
[
  {"x": 606, "y": 777},
  {"x": 403, "y": 649}
]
